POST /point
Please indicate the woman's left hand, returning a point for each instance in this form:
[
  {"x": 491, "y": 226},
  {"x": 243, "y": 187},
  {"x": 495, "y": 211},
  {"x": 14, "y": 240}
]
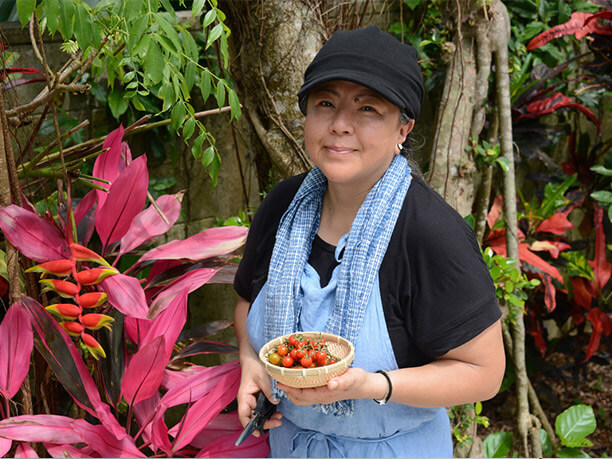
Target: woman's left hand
[{"x": 350, "y": 385}]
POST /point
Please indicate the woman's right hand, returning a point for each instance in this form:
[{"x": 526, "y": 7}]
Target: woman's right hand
[{"x": 254, "y": 379}]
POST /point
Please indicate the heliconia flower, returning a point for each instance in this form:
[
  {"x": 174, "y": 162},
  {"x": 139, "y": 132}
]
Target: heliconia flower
[
  {"x": 91, "y": 300},
  {"x": 56, "y": 267},
  {"x": 73, "y": 328},
  {"x": 93, "y": 346},
  {"x": 63, "y": 288},
  {"x": 81, "y": 253},
  {"x": 96, "y": 321},
  {"x": 65, "y": 310},
  {"x": 93, "y": 276}
]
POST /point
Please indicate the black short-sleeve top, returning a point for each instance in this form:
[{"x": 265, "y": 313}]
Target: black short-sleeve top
[{"x": 435, "y": 288}]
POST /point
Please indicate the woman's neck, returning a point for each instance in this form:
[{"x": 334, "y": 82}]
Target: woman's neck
[{"x": 338, "y": 211}]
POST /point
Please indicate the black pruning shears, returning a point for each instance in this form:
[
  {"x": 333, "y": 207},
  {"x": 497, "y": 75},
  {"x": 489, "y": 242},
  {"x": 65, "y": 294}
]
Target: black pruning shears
[{"x": 263, "y": 411}]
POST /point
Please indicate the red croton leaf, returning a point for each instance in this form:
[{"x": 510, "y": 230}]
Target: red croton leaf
[
  {"x": 582, "y": 295},
  {"x": 555, "y": 102},
  {"x": 549, "y": 292},
  {"x": 601, "y": 266},
  {"x": 580, "y": 24},
  {"x": 602, "y": 324},
  {"x": 556, "y": 224}
]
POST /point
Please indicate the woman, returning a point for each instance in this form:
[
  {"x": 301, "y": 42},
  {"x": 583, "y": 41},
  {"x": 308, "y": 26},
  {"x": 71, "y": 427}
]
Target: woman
[{"x": 362, "y": 248}]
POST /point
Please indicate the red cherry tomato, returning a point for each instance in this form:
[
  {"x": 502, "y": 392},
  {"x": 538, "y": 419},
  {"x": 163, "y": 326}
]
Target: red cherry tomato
[
  {"x": 287, "y": 361},
  {"x": 292, "y": 340},
  {"x": 306, "y": 362},
  {"x": 293, "y": 354},
  {"x": 321, "y": 358},
  {"x": 282, "y": 350},
  {"x": 274, "y": 358}
]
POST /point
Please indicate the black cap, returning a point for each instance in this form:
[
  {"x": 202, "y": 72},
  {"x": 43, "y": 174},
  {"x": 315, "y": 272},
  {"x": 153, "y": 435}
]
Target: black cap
[{"x": 371, "y": 58}]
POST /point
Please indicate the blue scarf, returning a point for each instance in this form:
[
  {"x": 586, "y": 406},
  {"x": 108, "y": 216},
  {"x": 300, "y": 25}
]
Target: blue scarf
[{"x": 366, "y": 246}]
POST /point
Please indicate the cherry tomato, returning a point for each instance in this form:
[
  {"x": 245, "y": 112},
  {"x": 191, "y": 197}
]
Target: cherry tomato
[
  {"x": 282, "y": 350},
  {"x": 306, "y": 362},
  {"x": 274, "y": 358},
  {"x": 293, "y": 354},
  {"x": 292, "y": 340},
  {"x": 321, "y": 358},
  {"x": 287, "y": 361},
  {"x": 331, "y": 361},
  {"x": 300, "y": 354}
]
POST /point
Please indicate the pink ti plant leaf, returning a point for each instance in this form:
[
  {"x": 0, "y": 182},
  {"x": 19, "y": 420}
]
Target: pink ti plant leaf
[
  {"x": 126, "y": 295},
  {"x": 109, "y": 164},
  {"x": 149, "y": 223},
  {"x": 144, "y": 372},
  {"x": 25, "y": 450},
  {"x": 105, "y": 444},
  {"x": 16, "y": 342},
  {"x": 5, "y": 446},
  {"x": 225, "y": 446},
  {"x": 211, "y": 242},
  {"x": 125, "y": 200},
  {"x": 35, "y": 237},
  {"x": 49, "y": 428},
  {"x": 63, "y": 451},
  {"x": 169, "y": 324},
  {"x": 155, "y": 430},
  {"x": 85, "y": 217}
]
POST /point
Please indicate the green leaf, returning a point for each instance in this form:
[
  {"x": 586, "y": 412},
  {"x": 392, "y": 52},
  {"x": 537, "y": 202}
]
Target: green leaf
[
  {"x": 214, "y": 34},
  {"x": 132, "y": 9},
  {"x": 25, "y": 8},
  {"x": 196, "y": 149},
  {"x": 177, "y": 116},
  {"x": 166, "y": 93},
  {"x": 190, "y": 45},
  {"x": 169, "y": 32},
  {"x": 117, "y": 103},
  {"x": 205, "y": 85},
  {"x": 211, "y": 15},
  {"x": 190, "y": 74},
  {"x": 82, "y": 27},
  {"x": 154, "y": 62},
  {"x": 188, "y": 128},
  {"x": 208, "y": 156},
  {"x": 51, "y": 8},
  {"x": 602, "y": 196},
  {"x": 572, "y": 452},
  {"x": 497, "y": 444},
  {"x": 220, "y": 93},
  {"x": 547, "y": 448},
  {"x": 412, "y": 4},
  {"x": 213, "y": 171},
  {"x": 602, "y": 170},
  {"x": 234, "y": 104},
  {"x": 66, "y": 19},
  {"x": 575, "y": 424},
  {"x": 136, "y": 31},
  {"x": 478, "y": 408},
  {"x": 503, "y": 162},
  {"x": 168, "y": 8},
  {"x": 197, "y": 7},
  {"x": 143, "y": 45}
]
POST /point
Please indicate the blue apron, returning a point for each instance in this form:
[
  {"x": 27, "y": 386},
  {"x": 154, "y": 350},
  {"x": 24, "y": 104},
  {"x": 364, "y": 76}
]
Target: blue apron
[{"x": 390, "y": 430}]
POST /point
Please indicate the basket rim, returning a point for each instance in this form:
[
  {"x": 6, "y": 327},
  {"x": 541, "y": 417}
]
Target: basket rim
[{"x": 307, "y": 372}]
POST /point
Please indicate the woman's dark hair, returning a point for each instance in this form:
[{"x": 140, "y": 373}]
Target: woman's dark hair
[{"x": 409, "y": 145}]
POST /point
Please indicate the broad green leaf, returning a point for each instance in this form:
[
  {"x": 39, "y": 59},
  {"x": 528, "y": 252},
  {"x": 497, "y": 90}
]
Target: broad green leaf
[
  {"x": 132, "y": 9},
  {"x": 197, "y": 7},
  {"x": 503, "y": 162},
  {"x": 209, "y": 18},
  {"x": 96, "y": 34},
  {"x": 213, "y": 171},
  {"x": 497, "y": 444},
  {"x": 205, "y": 85},
  {"x": 117, "y": 103},
  {"x": 25, "y": 8},
  {"x": 196, "y": 149},
  {"x": 154, "y": 62},
  {"x": 190, "y": 74},
  {"x": 547, "y": 448},
  {"x": 51, "y": 8},
  {"x": 208, "y": 156},
  {"x": 188, "y": 128},
  {"x": 572, "y": 452},
  {"x": 575, "y": 424},
  {"x": 137, "y": 29},
  {"x": 214, "y": 34},
  {"x": 66, "y": 19},
  {"x": 143, "y": 45},
  {"x": 602, "y": 170},
  {"x": 602, "y": 196},
  {"x": 138, "y": 105},
  {"x": 234, "y": 104},
  {"x": 170, "y": 32},
  {"x": 166, "y": 93},
  {"x": 220, "y": 93},
  {"x": 82, "y": 27},
  {"x": 177, "y": 116},
  {"x": 167, "y": 45}
]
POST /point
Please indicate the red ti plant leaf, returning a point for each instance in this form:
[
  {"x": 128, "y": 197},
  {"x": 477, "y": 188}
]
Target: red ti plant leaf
[
  {"x": 125, "y": 200},
  {"x": 145, "y": 371},
  {"x": 16, "y": 342},
  {"x": 556, "y": 102},
  {"x": 109, "y": 164},
  {"x": 580, "y": 24},
  {"x": 205, "y": 409},
  {"x": 5, "y": 446},
  {"x": 156, "y": 431},
  {"x": 105, "y": 444},
  {"x": 69, "y": 451},
  {"x": 209, "y": 243},
  {"x": 136, "y": 329},
  {"x": 126, "y": 295},
  {"x": 49, "y": 428},
  {"x": 601, "y": 266},
  {"x": 25, "y": 450},
  {"x": 169, "y": 324},
  {"x": 149, "y": 223},
  {"x": 191, "y": 281},
  {"x": 556, "y": 224},
  {"x": 35, "y": 237},
  {"x": 225, "y": 446},
  {"x": 84, "y": 216},
  {"x": 602, "y": 324}
]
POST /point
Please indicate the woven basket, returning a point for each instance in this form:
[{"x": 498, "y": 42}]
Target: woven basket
[{"x": 310, "y": 377}]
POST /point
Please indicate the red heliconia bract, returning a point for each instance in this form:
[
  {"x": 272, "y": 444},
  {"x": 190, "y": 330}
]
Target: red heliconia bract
[
  {"x": 63, "y": 288},
  {"x": 96, "y": 321},
  {"x": 73, "y": 328},
  {"x": 56, "y": 267},
  {"x": 93, "y": 276},
  {"x": 92, "y": 299},
  {"x": 93, "y": 346},
  {"x": 65, "y": 310},
  {"x": 82, "y": 253}
]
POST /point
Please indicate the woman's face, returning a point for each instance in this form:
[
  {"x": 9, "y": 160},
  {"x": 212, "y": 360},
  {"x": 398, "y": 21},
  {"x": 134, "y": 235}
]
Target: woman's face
[{"x": 351, "y": 133}]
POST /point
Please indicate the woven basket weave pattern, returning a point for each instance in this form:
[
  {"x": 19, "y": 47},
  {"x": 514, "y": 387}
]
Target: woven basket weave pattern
[{"x": 310, "y": 377}]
